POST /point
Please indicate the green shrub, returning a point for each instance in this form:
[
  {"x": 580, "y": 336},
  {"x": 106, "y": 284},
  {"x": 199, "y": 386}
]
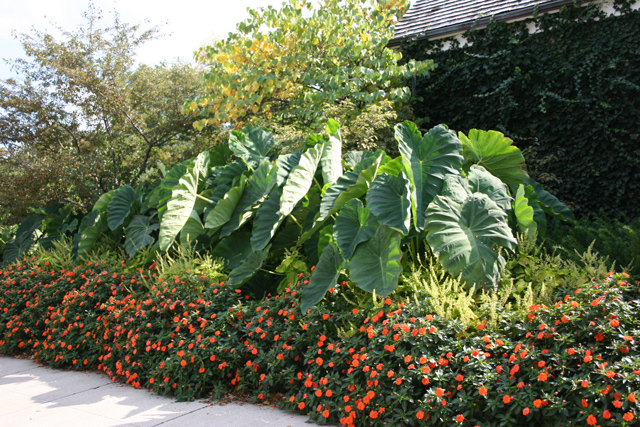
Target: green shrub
[{"x": 617, "y": 240}]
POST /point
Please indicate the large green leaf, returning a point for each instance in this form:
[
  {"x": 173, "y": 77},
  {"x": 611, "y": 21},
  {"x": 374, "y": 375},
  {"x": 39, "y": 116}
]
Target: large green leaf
[
  {"x": 191, "y": 230},
  {"x": 165, "y": 190},
  {"x": 524, "y": 212},
  {"x": 233, "y": 249},
  {"x": 550, "y": 203},
  {"x": 252, "y": 144},
  {"x": 138, "y": 234},
  {"x": 389, "y": 198},
  {"x": 352, "y": 158},
  {"x": 258, "y": 186},
  {"x": 351, "y": 185},
  {"x": 539, "y": 215},
  {"x": 478, "y": 180},
  {"x": 331, "y": 160},
  {"x": 268, "y": 219},
  {"x": 103, "y": 202},
  {"x": 324, "y": 276},
  {"x": 285, "y": 163},
  {"x": 183, "y": 201},
  {"x": 463, "y": 236},
  {"x": 431, "y": 158},
  {"x": 375, "y": 265},
  {"x": 354, "y": 224},
  {"x": 223, "y": 181},
  {"x": 120, "y": 206},
  {"x": 23, "y": 240},
  {"x": 223, "y": 210},
  {"x": 494, "y": 151},
  {"x": 248, "y": 267},
  {"x": 90, "y": 231},
  {"x": 300, "y": 179}
]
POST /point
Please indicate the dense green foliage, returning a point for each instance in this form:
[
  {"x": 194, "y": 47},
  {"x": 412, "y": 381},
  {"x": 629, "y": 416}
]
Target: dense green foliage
[
  {"x": 567, "y": 94},
  {"x": 292, "y": 68},
  {"x": 618, "y": 240},
  {"x": 390, "y": 363},
  {"x": 368, "y": 217},
  {"x": 83, "y": 118}
]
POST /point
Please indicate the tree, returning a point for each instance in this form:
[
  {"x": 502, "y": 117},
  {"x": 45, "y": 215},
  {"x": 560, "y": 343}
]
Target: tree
[
  {"x": 83, "y": 118},
  {"x": 290, "y": 66}
]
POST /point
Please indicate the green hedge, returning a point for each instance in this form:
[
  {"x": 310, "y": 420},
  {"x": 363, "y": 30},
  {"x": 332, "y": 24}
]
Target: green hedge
[{"x": 568, "y": 95}]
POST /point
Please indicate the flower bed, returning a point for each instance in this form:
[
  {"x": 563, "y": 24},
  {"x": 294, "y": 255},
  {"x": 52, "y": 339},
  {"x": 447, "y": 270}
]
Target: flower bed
[{"x": 574, "y": 363}]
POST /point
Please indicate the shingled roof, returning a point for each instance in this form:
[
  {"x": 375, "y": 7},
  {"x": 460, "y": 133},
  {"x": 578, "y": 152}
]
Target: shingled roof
[{"x": 429, "y": 19}]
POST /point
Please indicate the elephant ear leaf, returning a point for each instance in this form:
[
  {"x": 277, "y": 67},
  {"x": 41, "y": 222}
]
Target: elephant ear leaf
[
  {"x": 138, "y": 234},
  {"x": 431, "y": 158},
  {"x": 482, "y": 181},
  {"x": 268, "y": 219},
  {"x": 259, "y": 185},
  {"x": 354, "y": 224},
  {"x": 183, "y": 201},
  {"x": 389, "y": 198},
  {"x": 23, "y": 240},
  {"x": 550, "y": 203},
  {"x": 463, "y": 236},
  {"x": 492, "y": 150},
  {"x": 375, "y": 265},
  {"x": 324, "y": 276},
  {"x": 331, "y": 160},
  {"x": 524, "y": 213},
  {"x": 120, "y": 206},
  {"x": 252, "y": 144},
  {"x": 300, "y": 179},
  {"x": 224, "y": 209},
  {"x": 90, "y": 230},
  {"x": 247, "y": 268},
  {"x": 103, "y": 202}
]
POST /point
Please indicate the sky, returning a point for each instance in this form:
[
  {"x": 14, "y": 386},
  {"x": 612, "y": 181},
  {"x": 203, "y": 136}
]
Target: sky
[{"x": 188, "y": 24}]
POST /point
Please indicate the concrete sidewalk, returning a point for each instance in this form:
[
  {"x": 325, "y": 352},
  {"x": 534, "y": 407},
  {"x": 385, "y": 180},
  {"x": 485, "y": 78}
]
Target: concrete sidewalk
[{"x": 31, "y": 395}]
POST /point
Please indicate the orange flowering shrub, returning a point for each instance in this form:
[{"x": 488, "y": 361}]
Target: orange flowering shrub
[{"x": 391, "y": 364}]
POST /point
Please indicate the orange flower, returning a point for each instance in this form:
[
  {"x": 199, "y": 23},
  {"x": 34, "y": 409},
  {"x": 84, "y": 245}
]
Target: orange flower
[
  {"x": 420, "y": 415},
  {"x": 439, "y": 392},
  {"x": 585, "y": 403},
  {"x": 373, "y": 414},
  {"x": 537, "y": 403},
  {"x": 459, "y": 418},
  {"x": 632, "y": 398},
  {"x": 325, "y": 413},
  {"x": 606, "y": 415},
  {"x": 183, "y": 363},
  {"x": 483, "y": 391},
  {"x": 506, "y": 399},
  {"x": 542, "y": 376},
  {"x": 301, "y": 405},
  {"x": 614, "y": 323},
  {"x": 525, "y": 411},
  {"x": 610, "y": 374},
  {"x": 628, "y": 416},
  {"x": 591, "y": 420},
  {"x": 319, "y": 361}
]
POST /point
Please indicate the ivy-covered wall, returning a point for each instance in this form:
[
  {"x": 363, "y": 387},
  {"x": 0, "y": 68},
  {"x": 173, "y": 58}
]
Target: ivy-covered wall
[{"x": 568, "y": 95}]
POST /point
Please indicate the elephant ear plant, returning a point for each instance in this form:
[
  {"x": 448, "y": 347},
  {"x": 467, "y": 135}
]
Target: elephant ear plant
[{"x": 464, "y": 195}]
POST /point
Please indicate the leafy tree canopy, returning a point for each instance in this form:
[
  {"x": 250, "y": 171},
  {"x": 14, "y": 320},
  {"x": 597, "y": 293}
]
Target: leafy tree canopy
[
  {"x": 289, "y": 65},
  {"x": 83, "y": 111}
]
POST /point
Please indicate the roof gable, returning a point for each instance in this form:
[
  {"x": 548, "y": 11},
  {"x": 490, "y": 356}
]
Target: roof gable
[{"x": 428, "y": 19}]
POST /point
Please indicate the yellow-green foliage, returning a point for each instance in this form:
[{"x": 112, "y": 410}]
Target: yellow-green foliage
[
  {"x": 441, "y": 294},
  {"x": 185, "y": 261},
  {"x": 58, "y": 257}
]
